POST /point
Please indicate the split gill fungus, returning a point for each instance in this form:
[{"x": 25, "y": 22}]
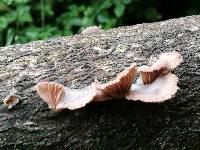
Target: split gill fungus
[{"x": 155, "y": 84}]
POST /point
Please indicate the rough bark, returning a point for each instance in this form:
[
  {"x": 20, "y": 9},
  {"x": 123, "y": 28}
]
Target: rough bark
[{"x": 76, "y": 61}]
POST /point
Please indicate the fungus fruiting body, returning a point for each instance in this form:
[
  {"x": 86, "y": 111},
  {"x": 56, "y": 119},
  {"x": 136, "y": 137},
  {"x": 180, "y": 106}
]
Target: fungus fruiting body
[
  {"x": 155, "y": 84},
  {"x": 158, "y": 84},
  {"x": 11, "y": 100},
  {"x": 90, "y": 30},
  {"x": 163, "y": 88},
  {"x": 59, "y": 97},
  {"x": 119, "y": 87}
]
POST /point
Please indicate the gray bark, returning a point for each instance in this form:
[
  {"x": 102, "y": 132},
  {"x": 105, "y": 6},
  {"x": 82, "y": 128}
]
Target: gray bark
[{"x": 76, "y": 61}]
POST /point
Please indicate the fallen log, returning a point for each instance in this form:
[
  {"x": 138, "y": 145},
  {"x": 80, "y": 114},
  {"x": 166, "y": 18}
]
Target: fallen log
[{"x": 76, "y": 61}]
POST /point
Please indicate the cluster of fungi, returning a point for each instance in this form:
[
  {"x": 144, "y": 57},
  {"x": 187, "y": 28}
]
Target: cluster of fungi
[{"x": 155, "y": 84}]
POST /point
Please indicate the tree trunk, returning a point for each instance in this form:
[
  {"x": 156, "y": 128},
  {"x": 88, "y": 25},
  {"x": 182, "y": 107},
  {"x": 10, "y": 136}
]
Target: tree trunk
[{"x": 76, "y": 61}]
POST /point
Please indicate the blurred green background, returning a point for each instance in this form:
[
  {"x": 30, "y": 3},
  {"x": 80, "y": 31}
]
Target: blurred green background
[{"x": 23, "y": 21}]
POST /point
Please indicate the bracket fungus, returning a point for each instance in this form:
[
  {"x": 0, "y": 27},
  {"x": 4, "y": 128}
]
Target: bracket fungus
[
  {"x": 155, "y": 84},
  {"x": 91, "y": 29},
  {"x": 119, "y": 87},
  {"x": 11, "y": 100},
  {"x": 59, "y": 97},
  {"x": 158, "y": 84}
]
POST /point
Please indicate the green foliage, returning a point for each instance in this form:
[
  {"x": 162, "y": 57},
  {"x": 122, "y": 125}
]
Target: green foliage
[
  {"x": 22, "y": 21},
  {"x": 152, "y": 14},
  {"x": 27, "y": 20}
]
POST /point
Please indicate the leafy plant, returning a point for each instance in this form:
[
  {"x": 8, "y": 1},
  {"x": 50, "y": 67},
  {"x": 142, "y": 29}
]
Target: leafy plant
[{"x": 22, "y": 21}]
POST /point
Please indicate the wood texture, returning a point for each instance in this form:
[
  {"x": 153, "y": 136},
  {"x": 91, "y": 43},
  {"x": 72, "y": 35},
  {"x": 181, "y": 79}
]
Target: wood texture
[{"x": 76, "y": 61}]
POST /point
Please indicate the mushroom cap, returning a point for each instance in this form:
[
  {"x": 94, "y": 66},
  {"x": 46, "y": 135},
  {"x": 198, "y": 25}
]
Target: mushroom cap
[
  {"x": 77, "y": 98},
  {"x": 50, "y": 92},
  {"x": 91, "y": 29},
  {"x": 11, "y": 100},
  {"x": 121, "y": 85},
  {"x": 59, "y": 97},
  {"x": 163, "y": 88},
  {"x": 165, "y": 63}
]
